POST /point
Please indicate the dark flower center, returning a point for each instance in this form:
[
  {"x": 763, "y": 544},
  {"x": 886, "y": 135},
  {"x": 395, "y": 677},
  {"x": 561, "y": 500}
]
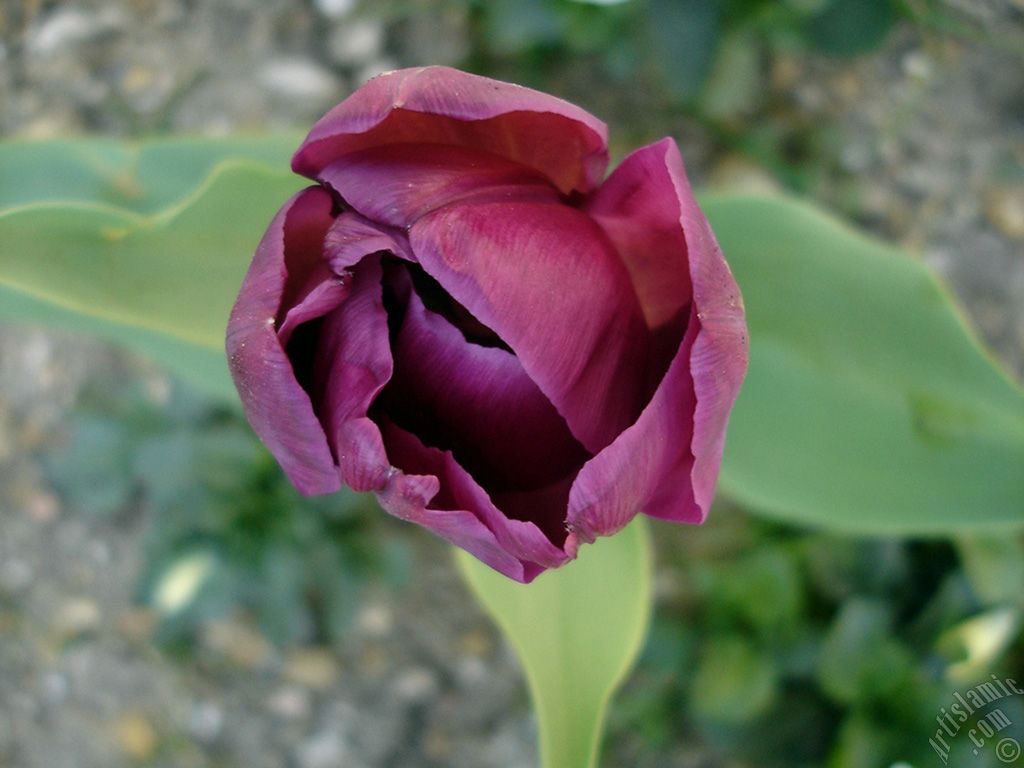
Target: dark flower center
[
  {"x": 458, "y": 387},
  {"x": 437, "y": 299}
]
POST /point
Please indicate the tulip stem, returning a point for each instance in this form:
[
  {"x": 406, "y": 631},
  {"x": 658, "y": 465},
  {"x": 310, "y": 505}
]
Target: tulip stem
[{"x": 577, "y": 631}]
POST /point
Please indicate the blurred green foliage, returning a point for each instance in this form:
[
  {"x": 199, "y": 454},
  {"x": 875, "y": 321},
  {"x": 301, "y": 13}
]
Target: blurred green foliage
[
  {"x": 782, "y": 647},
  {"x": 711, "y": 63},
  {"x": 224, "y": 529},
  {"x": 684, "y": 42},
  {"x": 771, "y": 645}
]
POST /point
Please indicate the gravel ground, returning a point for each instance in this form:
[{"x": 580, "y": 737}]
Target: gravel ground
[{"x": 926, "y": 148}]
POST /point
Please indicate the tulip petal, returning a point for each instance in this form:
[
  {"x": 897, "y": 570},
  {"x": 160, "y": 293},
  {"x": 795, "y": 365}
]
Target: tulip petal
[
  {"x": 667, "y": 463},
  {"x": 478, "y": 403},
  {"x": 718, "y": 362},
  {"x": 351, "y": 365},
  {"x": 278, "y": 408},
  {"x": 444, "y": 106},
  {"x": 545, "y": 279},
  {"x": 524, "y": 505},
  {"x": 351, "y": 237},
  {"x": 324, "y": 285},
  {"x": 324, "y": 290},
  {"x": 407, "y": 496},
  {"x": 398, "y": 183},
  {"x": 355, "y": 327},
  {"x": 463, "y": 509},
  {"x": 653, "y": 455},
  {"x": 639, "y": 210}
]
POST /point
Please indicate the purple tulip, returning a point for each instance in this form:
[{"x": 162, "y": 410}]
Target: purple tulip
[{"x": 466, "y": 318}]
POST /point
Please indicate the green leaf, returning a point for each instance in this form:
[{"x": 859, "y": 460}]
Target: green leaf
[
  {"x": 143, "y": 177},
  {"x": 512, "y": 26},
  {"x": 160, "y": 282},
  {"x": 202, "y": 366},
  {"x": 868, "y": 406},
  {"x": 860, "y": 658},
  {"x": 764, "y": 587},
  {"x": 809, "y": 6},
  {"x": 851, "y": 27},
  {"x": 734, "y": 681},
  {"x": 994, "y": 566},
  {"x": 683, "y": 36},
  {"x": 734, "y": 86},
  {"x": 577, "y": 631}
]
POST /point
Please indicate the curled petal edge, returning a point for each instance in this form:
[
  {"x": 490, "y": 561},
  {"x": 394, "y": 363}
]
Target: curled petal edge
[
  {"x": 278, "y": 408},
  {"x": 443, "y": 105},
  {"x": 515, "y": 548},
  {"x": 677, "y": 441},
  {"x": 718, "y": 362}
]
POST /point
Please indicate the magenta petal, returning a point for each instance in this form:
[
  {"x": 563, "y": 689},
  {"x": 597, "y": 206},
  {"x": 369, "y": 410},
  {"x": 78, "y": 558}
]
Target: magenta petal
[
  {"x": 463, "y": 513},
  {"x": 278, "y": 408},
  {"x": 544, "y": 278},
  {"x": 406, "y": 495},
  {"x": 639, "y": 210},
  {"x": 323, "y": 291},
  {"x": 444, "y": 106},
  {"x": 667, "y": 463},
  {"x": 478, "y": 403},
  {"x": 352, "y": 237},
  {"x": 652, "y": 456},
  {"x": 718, "y": 362},
  {"x": 398, "y": 183},
  {"x": 351, "y": 365},
  {"x": 546, "y": 507}
]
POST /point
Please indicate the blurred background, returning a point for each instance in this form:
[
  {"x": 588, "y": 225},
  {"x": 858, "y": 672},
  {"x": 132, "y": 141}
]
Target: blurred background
[{"x": 150, "y": 620}]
